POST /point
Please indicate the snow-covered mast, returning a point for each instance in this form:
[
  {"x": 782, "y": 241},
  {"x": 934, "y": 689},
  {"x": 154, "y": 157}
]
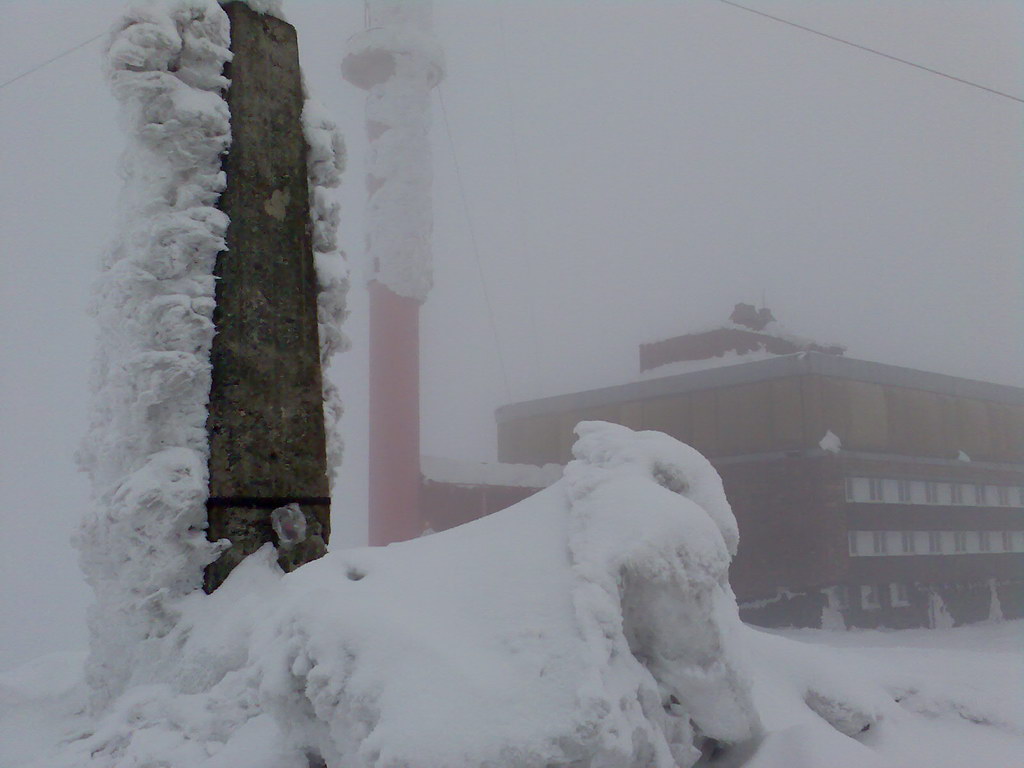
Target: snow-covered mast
[{"x": 397, "y": 61}]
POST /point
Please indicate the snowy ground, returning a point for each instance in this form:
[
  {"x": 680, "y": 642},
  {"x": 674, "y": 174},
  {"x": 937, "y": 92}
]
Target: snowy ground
[
  {"x": 589, "y": 626},
  {"x": 960, "y": 688},
  {"x": 959, "y": 693}
]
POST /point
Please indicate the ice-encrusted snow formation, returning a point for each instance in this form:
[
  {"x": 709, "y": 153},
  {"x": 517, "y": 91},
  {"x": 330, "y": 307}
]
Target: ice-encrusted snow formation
[
  {"x": 830, "y": 442},
  {"x": 591, "y": 625},
  {"x": 398, "y": 61},
  {"x": 143, "y": 544},
  {"x": 651, "y": 535},
  {"x": 325, "y": 163},
  {"x": 267, "y": 7}
]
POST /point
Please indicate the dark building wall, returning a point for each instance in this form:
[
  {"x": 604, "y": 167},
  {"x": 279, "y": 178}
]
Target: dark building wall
[
  {"x": 715, "y": 343},
  {"x": 963, "y": 583},
  {"x": 936, "y": 569},
  {"x": 792, "y": 529},
  {"x": 961, "y": 471},
  {"x": 785, "y": 609},
  {"x": 963, "y": 602},
  {"x": 915, "y": 422},
  {"x": 446, "y": 505},
  {"x": 789, "y": 413},
  {"x": 761, "y": 424},
  {"x": 747, "y": 418},
  {"x": 937, "y": 517},
  {"x": 794, "y": 518}
]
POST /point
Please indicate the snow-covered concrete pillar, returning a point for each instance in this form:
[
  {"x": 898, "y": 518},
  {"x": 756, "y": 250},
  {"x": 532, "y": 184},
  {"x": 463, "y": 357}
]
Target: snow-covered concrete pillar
[
  {"x": 266, "y": 414},
  {"x": 397, "y": 61},
  {"x": 164, "y": 444}
]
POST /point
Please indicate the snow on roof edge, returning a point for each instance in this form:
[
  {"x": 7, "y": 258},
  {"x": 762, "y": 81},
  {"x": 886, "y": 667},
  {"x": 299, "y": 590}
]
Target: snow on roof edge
[
  {"x": 440, "y": 469},
  {"x": 265, "y": 7}
]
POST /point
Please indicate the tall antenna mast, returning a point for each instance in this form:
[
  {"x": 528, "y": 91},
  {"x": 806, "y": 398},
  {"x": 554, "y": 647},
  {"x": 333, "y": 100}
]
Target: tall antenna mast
[{"x": 397, "y": 61}]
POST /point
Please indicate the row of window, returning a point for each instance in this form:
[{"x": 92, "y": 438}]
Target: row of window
[
  {"x": 892, "y": 491},
  {"x": 869, "y": 596},
  {"x": 878, "y": 543}
]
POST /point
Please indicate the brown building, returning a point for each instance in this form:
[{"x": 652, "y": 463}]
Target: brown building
[{"x": 872, "y": 494}]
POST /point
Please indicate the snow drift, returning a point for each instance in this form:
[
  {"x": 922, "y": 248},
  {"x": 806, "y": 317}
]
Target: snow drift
[{"x": 590, "y": 625}]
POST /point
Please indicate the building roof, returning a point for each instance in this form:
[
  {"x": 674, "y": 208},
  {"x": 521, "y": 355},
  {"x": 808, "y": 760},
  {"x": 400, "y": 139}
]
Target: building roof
[
  {"x": 749, "y": 330},
  {"x": 478, "y": 473},
  {"x": 784, "y": 366}
]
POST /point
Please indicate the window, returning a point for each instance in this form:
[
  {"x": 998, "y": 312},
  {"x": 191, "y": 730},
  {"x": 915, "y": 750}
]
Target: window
[
  {"x": 980, "y": 495},
  {"x": 876, "y": 489},
  {"x": 907, "y": 542},
  {"x": 959, "y": 541},
  {"x": 853, "y": 542},
  {"x": 899, "y": 595},
  {"x": 1007, "y": 541},
  {"x": 984, "y": 541},
  {"x": 935, "y": 542},
  {"x": 879, "y": 542},
  {"x": 903, "y": 491},
  {"x": 956, "y": 493},
  {"x": 849, "y": 489},
  {"x": 931, "y": 493},
  {"x": 869, "y": 598},
  {"x": 1003, "y": 494}
]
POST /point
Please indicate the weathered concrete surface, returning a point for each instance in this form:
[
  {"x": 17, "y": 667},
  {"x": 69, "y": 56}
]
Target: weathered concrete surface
[{"x": 266, "y": 428}]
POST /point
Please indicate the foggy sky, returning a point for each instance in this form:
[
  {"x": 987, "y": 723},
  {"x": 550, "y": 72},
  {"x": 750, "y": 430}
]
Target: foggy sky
[{"x": 631, "y": 170}]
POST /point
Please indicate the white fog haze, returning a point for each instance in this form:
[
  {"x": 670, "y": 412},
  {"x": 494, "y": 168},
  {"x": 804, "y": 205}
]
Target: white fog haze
[{"x": 606, "y": 173}]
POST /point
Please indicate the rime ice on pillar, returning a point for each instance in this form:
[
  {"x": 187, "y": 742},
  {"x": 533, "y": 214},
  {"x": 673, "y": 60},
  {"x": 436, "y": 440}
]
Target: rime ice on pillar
[
  {"x": 397, "y": 61},
  {"x": 142, "y": 545}
]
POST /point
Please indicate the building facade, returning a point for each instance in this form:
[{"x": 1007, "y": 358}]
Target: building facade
[{"x": 866, "y": 494}]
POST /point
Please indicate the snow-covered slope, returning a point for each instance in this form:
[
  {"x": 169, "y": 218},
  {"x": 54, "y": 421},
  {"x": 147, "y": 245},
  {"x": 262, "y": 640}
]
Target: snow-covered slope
[
  {"x": 589, "y": 626},
  {"x": 966, "y": 708}
]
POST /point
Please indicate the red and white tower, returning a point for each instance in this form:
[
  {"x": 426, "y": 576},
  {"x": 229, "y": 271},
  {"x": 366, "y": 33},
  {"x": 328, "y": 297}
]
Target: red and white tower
[{"x": 397, "y": 61}]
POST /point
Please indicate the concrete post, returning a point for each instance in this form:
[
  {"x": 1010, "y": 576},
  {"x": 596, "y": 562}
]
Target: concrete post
[{"x": 266, "y": 424}]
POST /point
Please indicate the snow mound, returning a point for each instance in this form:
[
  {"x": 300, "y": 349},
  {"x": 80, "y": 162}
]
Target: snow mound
[
  {"x": 939, "y": 698},
  {"x": 830, "y": 442},
  {"x": 590, "y": 625}
]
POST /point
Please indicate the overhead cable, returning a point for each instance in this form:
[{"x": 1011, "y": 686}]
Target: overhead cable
[
  {"x": 872, "y": 50},
  {"x": 476, "y": 247},
  {"x": 52, "y": 59},
  {"x": 528, "y": 253}
]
